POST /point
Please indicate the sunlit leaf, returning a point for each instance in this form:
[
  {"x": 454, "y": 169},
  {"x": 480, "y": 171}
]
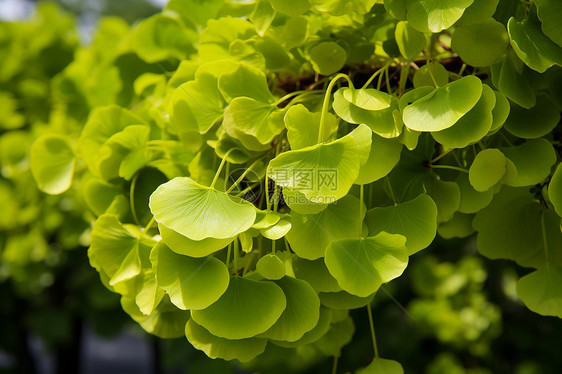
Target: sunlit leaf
[
  {"x": 435, "y": 16},
  {"x": 410, "y": 41},
  {"x": 555, "y": 190},
  {"x": 533, "y": 161},
  {"x": 487, "y": 169},
  {"x": 52, "y": 163},
  {"x": 303, "y": 126},
  {"x": 200, "y": 212},
  {"x": 382, "y": 366},
  {"x": 327, "y": 58},
  {"x": 246, "y": 309},
  {"x": 540, "y": 291}
]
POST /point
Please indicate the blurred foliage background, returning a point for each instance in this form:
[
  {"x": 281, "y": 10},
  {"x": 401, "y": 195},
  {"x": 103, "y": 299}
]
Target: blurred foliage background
[{"x": 452, "y": 311}]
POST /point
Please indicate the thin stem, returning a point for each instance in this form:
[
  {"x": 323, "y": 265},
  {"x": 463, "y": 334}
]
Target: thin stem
[
  {"x": 273, "y": 247},
  {"x": 375, "y": 74},
  {"x": 432, "y": 77},
  {"x": 326, "y": 103},
  {"x": 149, "y": 225},
  {"x": 361, "y": 192},
  {"x": 387, "y": 77},
  {"x": 335, "y": 365},
  {"x": 295, "y": 93},
  {"x": 441, "y": 156},
  {"x": 463, "y": 67},
  {"x": 372, "y": 326},
  {"x": 132, "y": 198},
  {"x": 223, "y": 161},
  {"x": 450, "y": 167},
  {"x": 247, "y": 266},
  {"x": 249, "y": 169},
  {"x": 267, "y": 189},
  {"x": 379, "y": 82},
  {"x": 249, "y": 188}
]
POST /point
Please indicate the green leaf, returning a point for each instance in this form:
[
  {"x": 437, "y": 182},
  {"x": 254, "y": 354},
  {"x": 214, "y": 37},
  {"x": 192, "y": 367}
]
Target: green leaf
[
  {"x": 166, "y": 321},
  {"x": 52, "y": 163},
  {"x": 382, "y": 366},
  {"x": 443, "y": 107},
  {"x": 435, "y": 16},
  {"x": 196, "y": 105},
  {"x": 472, "y": 201},
  {"x": 314, "y": 273},
  {"x": 336, "y": 338},
  {"x": 384, "y": 155},
  {"x": 540, "y": 291},
  {"x": 310, "y": 235},
  {"x": 511, "y": 227},
  {"x": 102, "y": 124},
  {"x": 447, "y": 197},
  {"x": 271, "y": 267},
  {"x": 550, "y": 14},
  {"x": 471, "y": 127},
  {"x": 253, "y": 118},
  {"x": 295, "y": 32},
  {"x": 481, "y": 44},
  {"x": 555, "y": 190},
  {"x": 290, "y": 7},
  {"x": 301, "y": 313},
  {"x": 242, "y": 349},
  {"x": 513, "y": 81},
  {"x": 262, "y": 16},
  {"x": 343, "y": 301},
  {"x": 382, "y": 122},
  {"x": 396, "y": 8},
  {"x": 254, "y": 305},
  {"x": 533, "y": 123},
  {"x": 415, "y": 219},
  {"x": 533, "y": 161},
  {"x": 277, "y": 231},
  {"x": 410, "y": 41},
  {"x": 327, "y": 58},
  {"x": 487, "y": 169},
  {"x": 325, "y": 171},
  {"x": 460, "y": 226},
  {"x": 501, "y": 110},
  {"x": 426, "y": 75},
  {"x": 479, "y": 11},
  {"x": 161, "y": 37},
  {"x": 196, "y": 12},
  {"x": 367, "y": 98},
  {"x": 245, "y": 81},
  {"x": 532, "y": 46},
  {"x": 200, "y": 212},
  {"x": 189, "y": 282},
  {"x": 361, "y": 265},
  {"x": 303, "y": 126},
  {"x": 313, "y": 335}
]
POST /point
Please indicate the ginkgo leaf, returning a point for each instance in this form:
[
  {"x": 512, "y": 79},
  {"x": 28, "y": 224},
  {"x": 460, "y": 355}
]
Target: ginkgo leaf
[
  {"x": 416, "y": 220},
  {"x": 245, "y": 81},
  {"x": 384, "y": 155},
  {"x": 191, "y": 283},
  {"x": 303, "y": 126},
  {"x": 339, "y": 334},
  {"x": 314, "y": 273},
  {"x": 501, "y": 111},
  {"x": 487, "y": 169},
  {"x": 472, "y": 201},
  {"x": 301, "y": 313},
  {"x": 367, "y": 98},
  {"x": 200, "y": 212},
  {"x": 52, "y": 163},
  {"x": 246, "y": 309},
  {"x": 550, "y": 14},
  {"x": 327, "y": 58},
  {"x": 166, "y": 321},
  {"x": 310, "y": 235},
  {"x": 446, "y": 196},
  {"x": 535, "y": 122},
  {"x": 481, "y": 44},
  {"x": 532, "y": 46},
  {"x": 540, "y": 291},
  {"x": 410, "y": 41},
  {"x": 306, "y": 170},
  {"x": 478, "y": 11},
  {"x": 533, "y": 161},
  {"x": 241, "y": 349},
  {"x": 443, "y": 107},
  {"x": 435, "y": 16},
  {"x": 271, "y": 267},
  {"x": 515, "y": 226},
  {"x": 431, "y": 74},
  {"x": 471, "y": 127},
  {"x": 361, "y": 265},
  {"x": 322, "y": 327},
  {"x": 291, "y": 7}
]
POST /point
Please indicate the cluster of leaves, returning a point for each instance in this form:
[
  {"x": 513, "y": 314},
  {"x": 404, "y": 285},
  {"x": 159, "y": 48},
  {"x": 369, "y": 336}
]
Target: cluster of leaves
[{"x": 240, "y": 202}]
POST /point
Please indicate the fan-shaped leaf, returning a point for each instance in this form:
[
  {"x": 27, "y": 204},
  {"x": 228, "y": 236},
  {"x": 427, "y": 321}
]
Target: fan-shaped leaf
[
  {"x": 540, "y": 291},
  {"x": 52, "y": 163},
  {"x": 303, "y": 126},
  {"x": 535, "y": 122},
  {"x": 327, "y": 58},
  {"x": 481, "y": 44},
  {"x": 435, "y": 16}
]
